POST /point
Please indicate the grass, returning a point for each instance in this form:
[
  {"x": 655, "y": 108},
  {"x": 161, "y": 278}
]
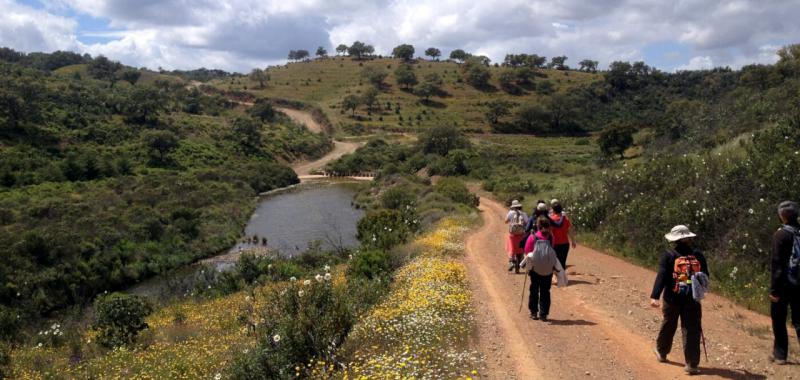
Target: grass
[{"x": 326, "y": 82}]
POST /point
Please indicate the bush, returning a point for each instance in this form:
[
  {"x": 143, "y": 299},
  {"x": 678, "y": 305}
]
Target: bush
[
  {"x": 370, "y": 264},
  {"x": 397, "y": 197},
  {"x": 119, "y": 318},
  {"x": 387, "y": 228},
  {"x": 456, "y": 190},
  {"x": 301, "y": 322}
]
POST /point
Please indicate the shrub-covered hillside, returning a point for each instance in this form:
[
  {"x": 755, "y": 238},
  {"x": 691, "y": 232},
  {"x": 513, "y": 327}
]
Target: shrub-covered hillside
[{"x": 107, "y": 179}]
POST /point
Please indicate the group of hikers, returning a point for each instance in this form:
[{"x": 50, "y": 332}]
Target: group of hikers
[{"x": 540, "y": 243}]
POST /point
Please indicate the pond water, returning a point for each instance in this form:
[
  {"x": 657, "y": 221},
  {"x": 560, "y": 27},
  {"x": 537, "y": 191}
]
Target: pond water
[{"x": 290, "y": 220}]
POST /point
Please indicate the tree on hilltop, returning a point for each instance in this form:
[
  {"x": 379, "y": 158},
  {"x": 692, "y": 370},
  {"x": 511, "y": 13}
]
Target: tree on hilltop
[
  {"x": 404, "y": 52},
  {"x": 321, "y": 52},
  {"x": 433, "y": 52},
  {"x": 341, "y": 49},
  {"x": 104, "y": 69},
  {"x": 588, "y": 65},
  {"x": 558, "y": 63},
  {"x": 131, "y": 76},
  {"x": 459, "y": 55},
  {"x": 359, "y": 49}
]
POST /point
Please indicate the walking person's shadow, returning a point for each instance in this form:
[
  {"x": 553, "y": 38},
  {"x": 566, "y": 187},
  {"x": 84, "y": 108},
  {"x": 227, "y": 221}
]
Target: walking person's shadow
[
  {"x": 725, "y": 373},
  {"x": 570, "y": 322}
]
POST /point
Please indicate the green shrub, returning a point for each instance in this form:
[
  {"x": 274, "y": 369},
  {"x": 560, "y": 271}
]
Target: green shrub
[
  {"x": 456, "y": 190},
  {"x": 369, "y": 264},
  {"x": 387, "y": 228},
  {"x": 119, "y": 317},
  {"x": 397, "y": 198}
]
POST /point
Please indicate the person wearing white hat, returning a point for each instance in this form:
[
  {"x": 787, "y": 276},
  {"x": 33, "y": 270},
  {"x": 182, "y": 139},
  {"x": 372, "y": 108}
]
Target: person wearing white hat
[
  {"x": 677, "y": 269},
  {"x": 517, "y": 220}
]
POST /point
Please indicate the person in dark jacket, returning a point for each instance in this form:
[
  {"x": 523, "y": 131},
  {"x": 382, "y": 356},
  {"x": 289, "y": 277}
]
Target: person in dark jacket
[
  {"x": 782, "y": 293},
  {"x": 678, "y": 300}
]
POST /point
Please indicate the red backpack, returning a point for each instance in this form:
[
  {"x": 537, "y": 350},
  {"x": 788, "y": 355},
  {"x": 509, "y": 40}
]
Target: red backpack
[{"x": 685, "y": 267}]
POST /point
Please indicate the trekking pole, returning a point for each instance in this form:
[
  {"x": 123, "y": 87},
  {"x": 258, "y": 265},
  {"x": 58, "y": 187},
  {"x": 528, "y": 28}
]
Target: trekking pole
[
  {"x": 523, "y": 293},
  {"x": 703, "y": 337}
]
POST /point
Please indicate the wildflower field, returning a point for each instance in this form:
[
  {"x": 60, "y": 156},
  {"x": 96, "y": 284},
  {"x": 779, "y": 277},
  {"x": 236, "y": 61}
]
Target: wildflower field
[
  {"x": 190, "y": 340},
  {"x": 422, "y": 328}
]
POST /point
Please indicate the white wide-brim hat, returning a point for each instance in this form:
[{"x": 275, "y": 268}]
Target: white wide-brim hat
[
  {"x": 679, "y": 232},
  {"x": 515, "y": 204}
]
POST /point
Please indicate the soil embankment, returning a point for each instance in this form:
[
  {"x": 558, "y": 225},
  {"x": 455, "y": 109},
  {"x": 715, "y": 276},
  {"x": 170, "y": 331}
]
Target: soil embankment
[{"x": 601, "y": 325}]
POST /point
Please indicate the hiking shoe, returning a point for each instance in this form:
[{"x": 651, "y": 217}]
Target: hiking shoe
[
  {"x": 534, "y": 317},
  {"x": 691, "y": 370},
  {"x": 777, "y": 361},
  {"x": 543, "y": 317},
  {"x": 516, "y": 270},
  {"x": 659, "y": 357},
  {"x": 510, "y": 266}
]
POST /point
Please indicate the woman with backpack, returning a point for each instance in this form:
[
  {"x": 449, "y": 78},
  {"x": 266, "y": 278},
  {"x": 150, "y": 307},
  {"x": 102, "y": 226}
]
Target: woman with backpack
[
  {"x": 516, "y": 219},
  {"x": 541, "y": 261},
  {"x": 679, "y": 268}
]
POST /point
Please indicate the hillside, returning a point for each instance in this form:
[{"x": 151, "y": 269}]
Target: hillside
[{"x": 326, "y": 82}]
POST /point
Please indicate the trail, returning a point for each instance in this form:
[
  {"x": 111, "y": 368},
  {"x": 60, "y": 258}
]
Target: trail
[
  {"x": 340, "y": 148},
  {"x": 601, "y": 325}
]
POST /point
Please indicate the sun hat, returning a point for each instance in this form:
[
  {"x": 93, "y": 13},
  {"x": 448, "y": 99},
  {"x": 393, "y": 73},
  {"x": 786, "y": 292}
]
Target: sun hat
[
  {"x": 679, "y": 232},
  {"x": 515, "y": 204},
  {"x": 554, "y": 201},
  {"x": 541, "y": 207}
]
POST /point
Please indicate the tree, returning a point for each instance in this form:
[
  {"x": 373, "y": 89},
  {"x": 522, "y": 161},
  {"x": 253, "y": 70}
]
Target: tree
[
  {"x": 459, "y": 55},
  {"x": 429, "y": 86},
  {"x": 359, "y": 49},
  {"x": 433, "y": 52},
  {"x": 160, "y": 144},
  {"x": 441, "y": 139},
  {"x": 476, "y": 73},
  {"x": 374, "y": 75},
  {"x": 341, "y": 49},
  {"x": 301, "y": 55},
  {"x": 351, "y": 102},
  {"x": 143, "y": 105},
  {"x": 404, "y": 75},
  {"x": 104, "y": 69},
  {"x": 588, "y": 65},
  {"x": 248, "y": 133},
  {"x": 615, "y": 139},
  {"x": 507, "y": 80},
  {"x": 259, "y": 76},
  {"x": 558, "y": 63},
  {"x": 532, "y": 118},
  {"x": 497, "y": 108},
  {"x": 370, "y": 97},
  {"x": 131, "y": 76},
  {"x": 404, "y": 52},
  {"x": 322, "y": 52}
]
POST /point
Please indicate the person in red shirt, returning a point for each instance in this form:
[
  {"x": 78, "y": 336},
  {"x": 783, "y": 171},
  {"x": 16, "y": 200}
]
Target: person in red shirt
[{"x": 561, "y": 228}]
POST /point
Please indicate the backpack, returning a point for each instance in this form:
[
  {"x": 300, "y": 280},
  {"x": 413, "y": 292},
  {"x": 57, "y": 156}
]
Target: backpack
[
  {"x": 793, "y": 271},
  {"x": 517, "y": 223},
  {"x": 685, "y": 267}
]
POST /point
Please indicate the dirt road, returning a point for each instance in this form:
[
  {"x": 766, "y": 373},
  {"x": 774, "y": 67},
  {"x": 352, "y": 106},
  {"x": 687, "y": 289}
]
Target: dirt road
[
  {"x": 340, "y": 148},
  {"x": 601, "y": 325}
]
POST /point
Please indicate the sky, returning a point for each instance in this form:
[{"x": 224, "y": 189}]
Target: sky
[{"x": 238, "y": 35}]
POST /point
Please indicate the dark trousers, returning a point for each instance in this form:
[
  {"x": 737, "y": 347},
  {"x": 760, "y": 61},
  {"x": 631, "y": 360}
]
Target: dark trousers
[
  {"x": 539, "y": 298},
  {"x": 690, "y": 314},
  {"x": 779, "y": 311},
  {"x": 562, "y": 250},
  {"x": 516, "y": 259}
]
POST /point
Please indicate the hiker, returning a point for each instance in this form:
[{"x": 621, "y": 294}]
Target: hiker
[
  {"x": 562, "y": 232},
  {"x": 539, "y": 210},
  {"x": 516, "y": 219},
  {"x": 676, "y": 271},
  {"x": 784, "y": 292},
  {"x": 541, "y": 261}
]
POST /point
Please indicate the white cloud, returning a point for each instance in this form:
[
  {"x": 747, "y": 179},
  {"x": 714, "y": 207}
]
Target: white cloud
[
  {"x": 239, "y": 34},
  {"x": 698, "y": 63},
  {"x": 27, "y": 29}
]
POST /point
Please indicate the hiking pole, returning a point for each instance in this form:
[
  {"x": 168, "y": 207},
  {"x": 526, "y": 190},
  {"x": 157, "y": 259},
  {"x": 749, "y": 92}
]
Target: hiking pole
[
  {"x": 523, "y": 293},
  {"x": 703, "y": 338}
]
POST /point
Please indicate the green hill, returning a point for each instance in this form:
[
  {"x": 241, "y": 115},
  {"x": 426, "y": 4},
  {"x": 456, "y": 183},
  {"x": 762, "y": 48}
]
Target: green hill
[{"x": 327, "y": 82}]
